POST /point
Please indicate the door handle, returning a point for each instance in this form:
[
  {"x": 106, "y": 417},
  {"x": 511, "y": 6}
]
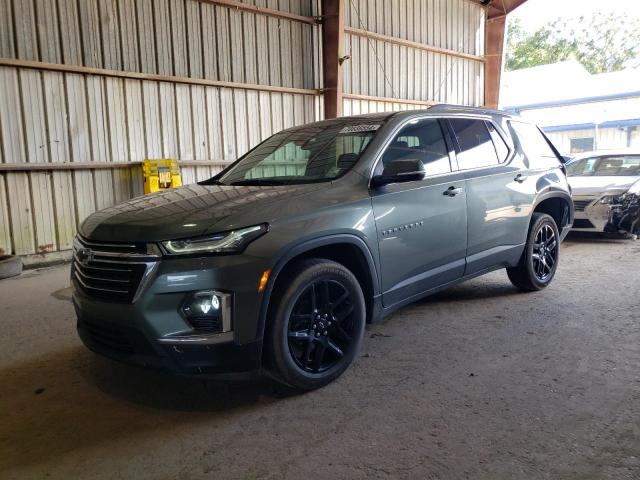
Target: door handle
[
  {"x": 520, "y": 178},
  {"x": 452, "y": 191}
]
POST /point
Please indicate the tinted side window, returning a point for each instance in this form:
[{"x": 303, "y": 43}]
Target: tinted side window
[
  {"x": 534, "y": 145},
  {"x": 476, "y": 146},
  {"x": 422, "y": 140},
  {"x": 501, "y": 147}
]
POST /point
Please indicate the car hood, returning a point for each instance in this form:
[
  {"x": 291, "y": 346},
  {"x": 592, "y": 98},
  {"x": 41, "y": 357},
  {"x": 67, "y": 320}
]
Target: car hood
[
  {"x": 594, "y": 186},
  {"x": 189, "y": 211}
]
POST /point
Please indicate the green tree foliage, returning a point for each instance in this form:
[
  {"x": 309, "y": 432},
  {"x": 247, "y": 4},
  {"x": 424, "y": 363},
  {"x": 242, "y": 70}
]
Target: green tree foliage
[{"x": 602, "y": 43}]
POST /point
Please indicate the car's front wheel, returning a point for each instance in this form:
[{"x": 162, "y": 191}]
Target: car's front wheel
[
  {"x": 539, "y": 260},
  {"x": 317, "y": 324}
]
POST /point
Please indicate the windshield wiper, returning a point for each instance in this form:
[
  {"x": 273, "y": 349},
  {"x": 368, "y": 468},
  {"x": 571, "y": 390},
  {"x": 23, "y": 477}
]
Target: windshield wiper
[
  {"x": 258, "y": 182},
  {"x": 211, "y": 181}
]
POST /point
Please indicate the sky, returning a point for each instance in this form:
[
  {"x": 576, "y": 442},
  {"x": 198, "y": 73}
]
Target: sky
[{"x": 535, "y": 13}]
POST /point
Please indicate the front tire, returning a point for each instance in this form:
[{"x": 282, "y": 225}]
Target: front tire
[
  {"x": 539, "y": 260},
  {"x": 317, "y": 325}
]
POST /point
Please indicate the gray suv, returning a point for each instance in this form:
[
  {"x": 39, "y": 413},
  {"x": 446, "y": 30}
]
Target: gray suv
[{"x": 278, "y": 262}]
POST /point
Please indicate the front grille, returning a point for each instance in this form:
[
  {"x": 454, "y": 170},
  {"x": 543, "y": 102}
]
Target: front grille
[
  {"x": 110, "y": 271},
  {"x": 581, "y": 205}
]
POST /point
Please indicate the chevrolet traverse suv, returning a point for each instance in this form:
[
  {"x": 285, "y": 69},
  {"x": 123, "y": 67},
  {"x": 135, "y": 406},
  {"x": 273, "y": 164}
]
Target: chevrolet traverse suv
[{"x": 278, "y": 262}]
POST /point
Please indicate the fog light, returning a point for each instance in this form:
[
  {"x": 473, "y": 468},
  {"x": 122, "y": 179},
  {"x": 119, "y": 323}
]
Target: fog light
[{"x": 208, "y": 311}]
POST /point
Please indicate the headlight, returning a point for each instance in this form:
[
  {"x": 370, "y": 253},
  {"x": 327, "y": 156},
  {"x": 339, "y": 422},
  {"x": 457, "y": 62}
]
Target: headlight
[
  {"x": 234, "y": 241},
  {"x": 611, "y": 200}
]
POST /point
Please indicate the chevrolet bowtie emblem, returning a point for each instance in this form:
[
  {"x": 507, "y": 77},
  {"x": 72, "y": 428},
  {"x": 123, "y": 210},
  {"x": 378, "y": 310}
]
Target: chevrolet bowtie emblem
[{"x": 85, "y": 255}]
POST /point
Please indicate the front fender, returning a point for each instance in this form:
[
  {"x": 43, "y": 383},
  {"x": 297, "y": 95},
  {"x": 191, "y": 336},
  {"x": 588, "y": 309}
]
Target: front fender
[{"x": 300, "y": 248}]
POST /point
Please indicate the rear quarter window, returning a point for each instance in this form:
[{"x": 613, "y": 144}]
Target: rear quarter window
[
  {"x": 476, "y": 146},
  {"x": 534, "y": 145}
]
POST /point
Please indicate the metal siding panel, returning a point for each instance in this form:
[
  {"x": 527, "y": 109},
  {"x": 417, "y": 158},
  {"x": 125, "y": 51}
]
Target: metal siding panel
[
  {"x": 285, "y": 53},
  {"x": 168, "y": 120},
  {"x": 58, "y": 128},
  {"x": 71, "y": 47},
  {"x": 35, "y": 130},
  {"x": 117, "y": 120},
  {"x": 194, "y": 39},
  {"x": 253, "y": 118},
  {"x": 7, "y": 44},
  {"x": 200, "y": 140},
  {"x": 47, "y": 30},
  {"x": 266, "y": 128},
  {"x": 135, "y": 120},
  {"x": 100, "y": 148},
  {"x": 20, "y": 213},
  {"x": 209, "y": 42},
  {"x": 241, "y": 121},
  {"x": 184, "y": 124},
  {"x": 308, "y": 58},
  {"x": 151, "y": 111},
  {"x": 25, "y": 30},
  {"x": 273, "y": 29},
  {"x": 224, "y": 48},
  {"x": 5, "y": 227},
  {"x": 146, "y": 40},
  {"x": 262, "y": 49},
  {"x": 129, "y": 35},
  {"x": 236, "y": 46},
  {"x": 179, "y": 38},
  {"x": 80, "y": 145},
  {"x": 228, "y": 124},
  {"x": 297, "y": 55},
  {"x": 213, "y": 123},
  {"x": 121, "y": 184},
  {"x": 110, "y": 29},
  {"x": 250, "y": 47},
  {"x": 90, "y": 33},
  {"x": 163, "y": 37}
]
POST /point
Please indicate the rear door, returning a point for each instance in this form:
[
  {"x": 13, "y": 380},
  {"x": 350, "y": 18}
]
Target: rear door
[
  {"x": 422, "y": 225},
  {"x": 499, "y": 194}
]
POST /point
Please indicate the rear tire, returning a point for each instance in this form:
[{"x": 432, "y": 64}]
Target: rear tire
[
  {"x": 317, "y": 325},
  {"x": 539, "y": 260}
]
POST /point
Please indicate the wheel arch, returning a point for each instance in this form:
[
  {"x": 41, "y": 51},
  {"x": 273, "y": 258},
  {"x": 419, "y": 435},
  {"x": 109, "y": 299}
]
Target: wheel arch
[
  {"x": 353, "y": 254},
  {"x": 557, "y": 204}
]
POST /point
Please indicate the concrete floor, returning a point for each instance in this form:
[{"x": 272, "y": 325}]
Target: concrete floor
[{"x": 476, "y": 382}]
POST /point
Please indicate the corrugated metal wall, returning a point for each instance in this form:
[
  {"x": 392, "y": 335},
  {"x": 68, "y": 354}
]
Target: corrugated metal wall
[
  {"x": 98, "y": 83},
  {"x": 444, "y": 64},
  {"x": 48, "y": 116}
]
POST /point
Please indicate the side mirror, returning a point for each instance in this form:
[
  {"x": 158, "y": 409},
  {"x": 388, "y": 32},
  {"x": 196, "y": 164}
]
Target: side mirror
[{"x": 399, "y": 171}]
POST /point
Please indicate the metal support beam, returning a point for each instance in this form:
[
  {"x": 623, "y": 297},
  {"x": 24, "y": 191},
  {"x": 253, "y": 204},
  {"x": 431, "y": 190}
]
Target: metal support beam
[
  {"x": 494, "y": 47},
  {"x": 332, "y": 41}
]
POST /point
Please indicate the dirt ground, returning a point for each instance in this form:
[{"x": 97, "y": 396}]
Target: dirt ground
[{"x": 477, "y": 382}]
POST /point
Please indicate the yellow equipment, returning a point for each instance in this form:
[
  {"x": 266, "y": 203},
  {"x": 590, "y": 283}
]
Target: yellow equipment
[{"x": 160, "y": 174}]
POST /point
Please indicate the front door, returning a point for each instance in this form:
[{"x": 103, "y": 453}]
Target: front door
[{"x": 422, "y": 225}]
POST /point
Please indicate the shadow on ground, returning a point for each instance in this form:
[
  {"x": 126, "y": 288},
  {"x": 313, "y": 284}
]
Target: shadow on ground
[{"x": 71, "y": 399}]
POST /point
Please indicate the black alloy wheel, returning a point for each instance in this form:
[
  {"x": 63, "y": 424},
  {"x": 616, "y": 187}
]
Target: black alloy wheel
[
  {"x": 539, "y": 260},
  {"x": 545, "y": 252},
  {"x": 316, "y": 325},
  {"x": 320, "y": 326}
]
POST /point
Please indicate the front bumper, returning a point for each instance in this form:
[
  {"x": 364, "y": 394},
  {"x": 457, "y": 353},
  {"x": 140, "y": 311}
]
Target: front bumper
[
  {"x": 151, "y": 331},
  {"x": 594, "y": 216}
]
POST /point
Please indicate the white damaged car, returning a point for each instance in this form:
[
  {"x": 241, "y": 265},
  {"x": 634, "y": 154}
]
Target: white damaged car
[{"x": 606, "y": 191}]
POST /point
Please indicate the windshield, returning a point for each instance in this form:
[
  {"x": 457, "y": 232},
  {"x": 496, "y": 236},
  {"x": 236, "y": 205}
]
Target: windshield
[
  {"x": 610, "y": 166},
  {"x": 315, "y": 153}
]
